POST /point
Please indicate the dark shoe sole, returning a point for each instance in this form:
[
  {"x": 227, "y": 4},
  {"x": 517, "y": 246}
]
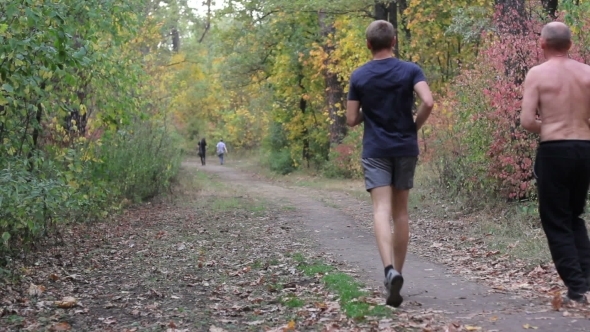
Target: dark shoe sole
[{"x": 394, "y": 298}]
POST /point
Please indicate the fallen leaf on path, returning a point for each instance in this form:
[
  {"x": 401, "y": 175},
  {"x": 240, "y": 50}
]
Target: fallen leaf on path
[
  {"x": 35, "y": 290},
  {"x": 291, "y": 325},
  {"x": 529, "y": 326},
  {"x": 256, "y": 322},
  {"x": 66, "y": 302},
  {"x": 452, "y": 327},
  {"x": 54, "y": 277},
  {"x": 62, "y": 326},
  {"x": 472, "y": 328},
  {"x": 557, "y": 301}
]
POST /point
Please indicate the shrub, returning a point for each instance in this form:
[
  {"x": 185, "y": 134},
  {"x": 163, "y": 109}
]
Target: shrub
[
  {"x": 344, "y": 160},
  {"x": 479, "y": 145}
]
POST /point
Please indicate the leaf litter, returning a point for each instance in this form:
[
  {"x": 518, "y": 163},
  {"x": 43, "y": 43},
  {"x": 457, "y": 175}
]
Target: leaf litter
[{"x": 179, "y": 265}]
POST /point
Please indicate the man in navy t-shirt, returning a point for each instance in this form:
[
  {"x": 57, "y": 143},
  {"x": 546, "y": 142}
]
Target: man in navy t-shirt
[{"x": 384, "y": 87}]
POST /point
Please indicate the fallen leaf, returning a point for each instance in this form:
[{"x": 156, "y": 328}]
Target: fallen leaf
[
  {"x": 108, "y": 320},
  {"x": 472, "y": 328},
  {"x": 172, "y": 325},
  {"x": 529, "y": 326},
  {"x": 62, "y": 326},
  {"x": 35, "y": 290},
  {"x": 214, "y": 328},
  {"x": 66, "y": 302},
  {"x": 54, "y": 277},
  {"x": 450, "y": 328},
  {"x": 256, "y": 322},
  {"x": 291, "y": 325},
  {"x": 557, "y": 301}
]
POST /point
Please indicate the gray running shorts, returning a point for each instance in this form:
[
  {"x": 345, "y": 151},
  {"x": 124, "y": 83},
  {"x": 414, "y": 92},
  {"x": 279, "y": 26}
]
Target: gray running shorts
[{"x": 397, "y": 172}]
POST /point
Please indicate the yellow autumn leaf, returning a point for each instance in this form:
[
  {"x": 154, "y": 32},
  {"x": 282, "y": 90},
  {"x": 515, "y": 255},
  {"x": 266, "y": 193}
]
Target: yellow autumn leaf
[{"x": 291, "y": 325}]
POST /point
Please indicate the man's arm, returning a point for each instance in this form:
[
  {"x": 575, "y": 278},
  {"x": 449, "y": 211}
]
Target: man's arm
[
  {"x": 424, "y": 110},
  {"x": 354, "y": 116},
  {"x": 530, "y": 104}
]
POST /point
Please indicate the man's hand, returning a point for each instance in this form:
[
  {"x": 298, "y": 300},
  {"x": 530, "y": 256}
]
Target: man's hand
[
  {"x": 425, "y": 108},
  {"x": 530, "y": 104},
  {"x": 354, "y": 116}
]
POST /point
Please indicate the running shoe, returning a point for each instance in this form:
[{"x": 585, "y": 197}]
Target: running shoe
[{"x": 393, "y": 283}]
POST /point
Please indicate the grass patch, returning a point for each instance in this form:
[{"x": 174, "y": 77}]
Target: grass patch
[
  {"x": 343, "y": 284},
  {"x": 360, "y": 310},
  {"x": 316, "y": 267},
  {"x": 350, "y": 294},
  {"x": 293, "y": 302},
  {"x": 219, "y": 196},
  {"x": 349, "y": 291},
  {"x": 225, "y": 204},
  {"x": 298, "y": 257}
]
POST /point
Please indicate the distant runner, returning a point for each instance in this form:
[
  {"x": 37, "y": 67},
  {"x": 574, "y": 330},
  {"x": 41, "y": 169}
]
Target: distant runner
[
  {"x": 384, "y": 88},
  {"x": 221, "y": 151},
  {"x": 203, "y": 150},
  {"x": 559, "y": 90}
]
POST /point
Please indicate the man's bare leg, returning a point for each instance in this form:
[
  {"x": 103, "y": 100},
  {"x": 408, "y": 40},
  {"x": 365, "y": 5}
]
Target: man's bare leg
[
  {"x": 401, "y": 228},
  {"x": 383, "y": 201},
  {"x": 382, "y": 208}
]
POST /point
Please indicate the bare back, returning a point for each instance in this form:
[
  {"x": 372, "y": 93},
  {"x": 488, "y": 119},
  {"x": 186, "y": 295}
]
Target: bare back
[{"x": 564, "y": 99}]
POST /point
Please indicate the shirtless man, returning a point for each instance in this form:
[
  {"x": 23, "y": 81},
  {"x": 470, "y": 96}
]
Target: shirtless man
[
  {"x": 559, "y": 90},
  {"x": 384, "y": 87}
]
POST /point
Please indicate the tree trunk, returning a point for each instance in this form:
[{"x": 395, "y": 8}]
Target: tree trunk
[
  {"x": 550, "y": 7},
  {"x": 402, "y": 6},
  {"x": 512, "y": 15},
  {"x": 335, "y": 98},
  {"x": 175, "y": 40},
  {"x": 306, "y": 154},
  {"x": 388, "y": 11}
]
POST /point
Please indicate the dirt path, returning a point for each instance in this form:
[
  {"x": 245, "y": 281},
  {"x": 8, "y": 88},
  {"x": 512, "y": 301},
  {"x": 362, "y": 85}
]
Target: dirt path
[
  {"x": 207, "y": 257},
  {"x": 428, "y": 285}
]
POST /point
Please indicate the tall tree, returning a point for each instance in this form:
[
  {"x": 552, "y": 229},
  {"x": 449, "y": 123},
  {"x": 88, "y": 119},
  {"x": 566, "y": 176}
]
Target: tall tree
[
  {"x": 334, "y": 88},
  {"x": 387, "y": 10},
  {"x": 511, "y": 16}
]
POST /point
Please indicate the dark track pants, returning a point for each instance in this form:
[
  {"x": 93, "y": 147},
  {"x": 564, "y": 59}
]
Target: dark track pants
[{"x": 563, "y": 176}]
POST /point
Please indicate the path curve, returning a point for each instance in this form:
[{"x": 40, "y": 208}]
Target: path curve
[{"x": 427, "y": 286}]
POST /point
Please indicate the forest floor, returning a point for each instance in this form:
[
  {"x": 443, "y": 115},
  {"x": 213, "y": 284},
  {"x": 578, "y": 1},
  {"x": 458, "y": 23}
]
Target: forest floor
[{"x": 232, "y": 250}]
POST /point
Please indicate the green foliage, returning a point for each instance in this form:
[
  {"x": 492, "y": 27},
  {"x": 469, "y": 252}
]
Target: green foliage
[
  {"x": 279, "y": 156},
  {"x": 137, "y": 162},
  {"x": 80, "y": 126},
  {"x": 280, "y": 162}
]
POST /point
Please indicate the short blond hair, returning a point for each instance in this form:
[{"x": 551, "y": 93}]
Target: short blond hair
[{"x": 380, "y": 35}]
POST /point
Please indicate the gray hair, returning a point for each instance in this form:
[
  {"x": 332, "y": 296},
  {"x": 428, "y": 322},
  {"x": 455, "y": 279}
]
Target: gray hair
[{"x": 557, "y": 36}]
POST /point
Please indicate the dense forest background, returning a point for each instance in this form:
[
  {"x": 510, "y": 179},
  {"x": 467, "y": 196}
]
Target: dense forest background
[{"x": 100, "y": 99}]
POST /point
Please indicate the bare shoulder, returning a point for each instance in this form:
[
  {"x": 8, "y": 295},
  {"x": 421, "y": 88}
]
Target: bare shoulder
[
  {"x": 536, "y": 70},
  {"x": 533, "y": 74},
  {"x": 583, "y": 66}
]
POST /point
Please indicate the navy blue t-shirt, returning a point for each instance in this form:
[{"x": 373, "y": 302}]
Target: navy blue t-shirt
[{"x": 385, "y": 90}]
